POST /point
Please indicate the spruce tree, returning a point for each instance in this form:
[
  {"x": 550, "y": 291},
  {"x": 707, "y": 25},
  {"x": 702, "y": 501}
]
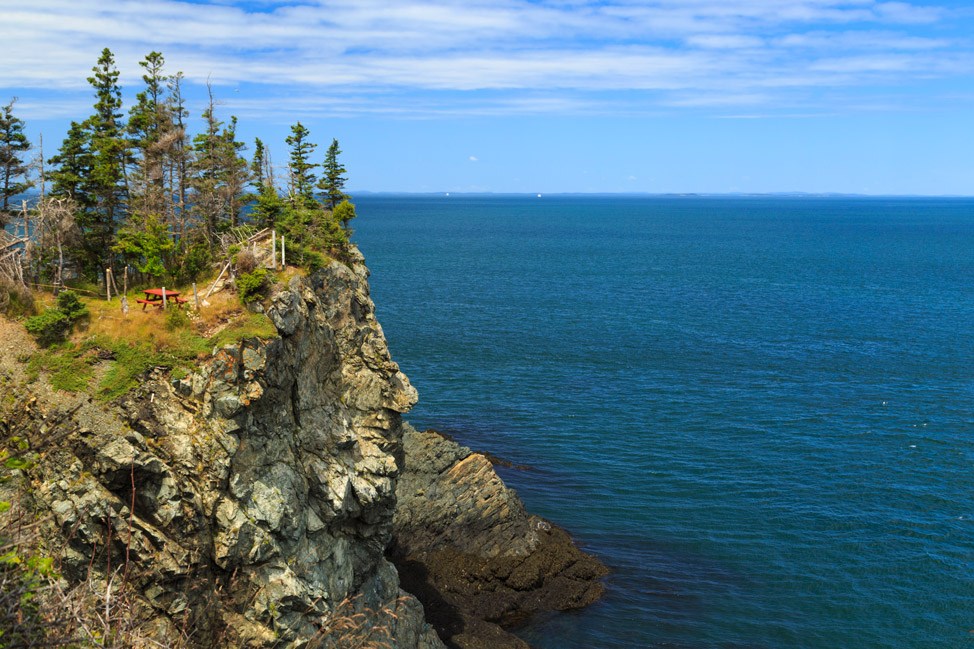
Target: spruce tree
[
  {"x": 72, "y": 166},
  {"x": 268, "y": 206},
  {"x": 91, "y": 168},
  {"x": 235, "y": 172},
  {"x": 302, "y": 179},
  {"x": 180, "y": 157},
  {"x": 206, "y": 172},
  {"x": 106, "y": 183},
  {"x": 258, "y": 165},
  {"x": 333, "y": 180},
  {"x": 220, "y": 174},
  {"x": 150, "y": 128},
  {"x": 13, "y": 168}
]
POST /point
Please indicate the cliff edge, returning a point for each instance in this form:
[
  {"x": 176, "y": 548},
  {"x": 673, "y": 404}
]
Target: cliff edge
[
  {"x": 249, "y": 503},
  {"x": 253, "y": 502}
]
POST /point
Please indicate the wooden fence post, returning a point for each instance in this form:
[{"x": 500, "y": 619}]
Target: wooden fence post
[
  {"x": 217, "y": 280},
  {"x": 164, "y": 307}
]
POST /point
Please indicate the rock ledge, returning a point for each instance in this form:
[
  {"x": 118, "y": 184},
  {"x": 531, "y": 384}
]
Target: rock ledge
[{"x": 465, "y": 546}]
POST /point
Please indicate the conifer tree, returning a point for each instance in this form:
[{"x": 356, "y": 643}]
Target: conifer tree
[
  {"x": 302, "y": 179},
  {"x": 235, "y": 170},
  {"x": 108, "y": 144},
  {"x": 72, "y": 166},
  {"x": 206, "y": 172},
  {"x": 221, "y": 174},
  {"x": 333, "y": 180},
  {"x": 268, "y": 206},
  {"x": 151, "y": 130},
  {"x": 13, "y": 168},
  {"x": 258, "y": 165},
  {"x": 103, "y": 188},
  {"x": 91, "y": 168},
  {"x": 181, "y": 156}
]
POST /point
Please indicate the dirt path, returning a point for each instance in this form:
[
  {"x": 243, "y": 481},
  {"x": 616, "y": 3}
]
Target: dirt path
[
  {"x": 16, "y": 348},
  {"x": 15, "y": 344}
]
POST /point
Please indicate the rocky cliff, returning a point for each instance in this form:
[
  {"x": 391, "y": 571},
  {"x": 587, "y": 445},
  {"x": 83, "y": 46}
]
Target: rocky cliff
[
  {"x": 252, "y": 500},
  {"x": 478, "y": 561},
  {"x": 251, "y": 503}
]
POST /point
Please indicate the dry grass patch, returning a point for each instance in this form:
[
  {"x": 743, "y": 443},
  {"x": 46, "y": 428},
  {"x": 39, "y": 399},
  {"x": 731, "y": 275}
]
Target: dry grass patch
[{"x": 116, "y": 348}]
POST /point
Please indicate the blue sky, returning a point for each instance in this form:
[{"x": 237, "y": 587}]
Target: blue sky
[{"x": 860, "y": 96}]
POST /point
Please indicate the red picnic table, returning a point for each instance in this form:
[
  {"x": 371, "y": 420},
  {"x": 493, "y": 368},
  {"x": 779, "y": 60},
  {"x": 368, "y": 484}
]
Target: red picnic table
[{"x": 154, "y": 297}]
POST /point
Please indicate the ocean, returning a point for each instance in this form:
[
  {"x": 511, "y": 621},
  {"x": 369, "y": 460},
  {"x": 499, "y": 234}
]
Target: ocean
[{"x": 758, "y": 411}]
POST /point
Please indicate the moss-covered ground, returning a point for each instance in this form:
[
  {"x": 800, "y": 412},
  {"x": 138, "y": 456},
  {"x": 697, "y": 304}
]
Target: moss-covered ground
[{"x": 110, "y": 349}]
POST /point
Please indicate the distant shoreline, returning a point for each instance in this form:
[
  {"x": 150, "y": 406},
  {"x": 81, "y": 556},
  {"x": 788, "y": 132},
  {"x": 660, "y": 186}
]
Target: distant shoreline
[
  {"x": 32, "y": 196},
  {"x": 452, "y": 193}
]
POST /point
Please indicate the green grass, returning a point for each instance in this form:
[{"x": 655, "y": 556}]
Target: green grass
[
  {"x": 70, "y": 366},
  {"x": 250, "y": 325},
  {"x": 132, "y": 360}
]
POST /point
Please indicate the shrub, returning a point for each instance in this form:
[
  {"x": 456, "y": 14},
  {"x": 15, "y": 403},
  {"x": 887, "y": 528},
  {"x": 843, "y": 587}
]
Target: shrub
[
  {"x": 177, "y": 319},
  {"x": 314, "y": 260},
  {"x": 50, "y": 327},
  {"x": 246, "y": 262},
  {"x": 15, "y": 299},
  {"x": 69, "y": 304},
  {"x": 252, "y": 286},
  {"x": 196, "y": 261},
  {"x": 53, "y": 325}
]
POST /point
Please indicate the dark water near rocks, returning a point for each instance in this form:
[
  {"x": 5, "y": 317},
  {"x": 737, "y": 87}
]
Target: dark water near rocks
[{"x": 757, "y": 411}]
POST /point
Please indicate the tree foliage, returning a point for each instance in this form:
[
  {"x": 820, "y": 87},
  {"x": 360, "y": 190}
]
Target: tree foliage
[
  {"x": 145, "y": 242},
  {"x": 345, "y": 212},
  {"x": 333, "y": 180},
  {"x": 302, "y": 177},
  {"x": 13, "y": 168},
  {"x": 135, "y": 187}
]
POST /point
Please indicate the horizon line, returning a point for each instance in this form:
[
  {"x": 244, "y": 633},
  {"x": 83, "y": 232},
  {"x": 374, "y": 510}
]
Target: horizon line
[{"x": 451, "y": 192}]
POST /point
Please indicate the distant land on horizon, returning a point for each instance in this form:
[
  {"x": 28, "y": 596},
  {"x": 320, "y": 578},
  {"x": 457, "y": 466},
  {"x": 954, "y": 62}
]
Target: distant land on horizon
[
  {"x": 783, "y": 194},
  {"x": 33, "y": 193}
]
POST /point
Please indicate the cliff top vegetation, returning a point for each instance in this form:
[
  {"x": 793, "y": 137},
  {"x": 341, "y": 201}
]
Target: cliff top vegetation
[
  {"x": 132, "y": 199},
  {"x": 133, "y": 193}
]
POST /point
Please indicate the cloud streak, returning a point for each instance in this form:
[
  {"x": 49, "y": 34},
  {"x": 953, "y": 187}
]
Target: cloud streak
[{"x": 349, "y": 55}]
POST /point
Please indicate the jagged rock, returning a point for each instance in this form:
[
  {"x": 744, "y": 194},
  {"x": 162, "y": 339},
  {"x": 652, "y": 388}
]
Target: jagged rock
[
  {"x": 465, "y": 546},
  {"x": 258, "y": 491},
  {"x": 253, "y": 500}
]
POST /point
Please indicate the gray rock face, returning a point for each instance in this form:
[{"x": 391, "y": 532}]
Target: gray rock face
[{"x": 257, "y": 494}]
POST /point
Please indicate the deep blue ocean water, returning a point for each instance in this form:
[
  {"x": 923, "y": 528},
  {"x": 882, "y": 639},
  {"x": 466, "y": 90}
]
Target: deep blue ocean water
[{"x": 757, "y": 411}]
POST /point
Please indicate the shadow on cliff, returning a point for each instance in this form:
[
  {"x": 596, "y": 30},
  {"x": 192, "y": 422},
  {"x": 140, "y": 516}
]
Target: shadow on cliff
[
  {"x": 445, "y": 617},
  {"x": 457, "y": 629}
]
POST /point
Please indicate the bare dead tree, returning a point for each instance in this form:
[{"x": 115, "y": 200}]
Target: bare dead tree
[{"x": 55, "y": 228}]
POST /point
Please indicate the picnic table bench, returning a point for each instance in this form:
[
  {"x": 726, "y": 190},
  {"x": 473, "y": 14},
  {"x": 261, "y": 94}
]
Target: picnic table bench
[{"x": 154, "y": 297}]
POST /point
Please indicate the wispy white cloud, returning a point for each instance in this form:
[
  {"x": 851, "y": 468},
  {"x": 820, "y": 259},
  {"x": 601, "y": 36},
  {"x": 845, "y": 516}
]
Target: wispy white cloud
[{"x": 349, "y": 55}]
